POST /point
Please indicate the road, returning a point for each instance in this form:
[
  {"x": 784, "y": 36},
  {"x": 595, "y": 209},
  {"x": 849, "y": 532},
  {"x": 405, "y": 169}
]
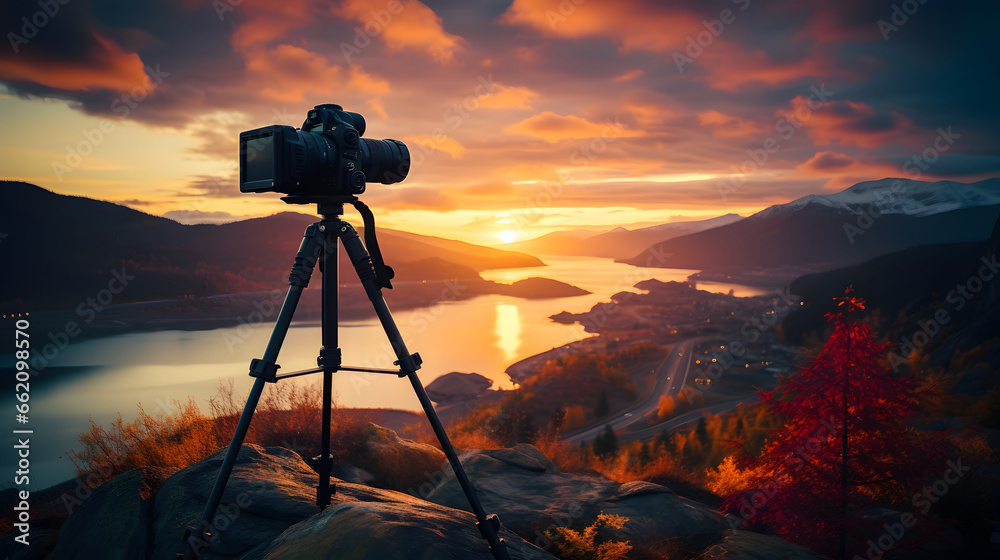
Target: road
[
  {"x": 686, "y": 418},
  {"x": 670, "y": 379}
]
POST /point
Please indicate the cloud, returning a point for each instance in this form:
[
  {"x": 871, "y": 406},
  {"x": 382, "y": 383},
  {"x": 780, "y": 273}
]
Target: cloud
[
  {"x": 731, "y": 66},
  {"x": 508, "y": 97},
  {"x": 633, "y": 25},
  {"x": 200, "y": 217},
  {"x": 729, "y": 126},
  {"x": 828, "y": 161},
  {"x": 102, "y": 64},
  {"x": 553, "y": 128},
  {"x": 260, "y": 23},
  {"x": 413, "y": 27},
  {"x": 855, "y": 123},
  {"x": 427, "y": 144},
  {"x": 289, "y": 73},
  {"x": 629, "y": 75}
]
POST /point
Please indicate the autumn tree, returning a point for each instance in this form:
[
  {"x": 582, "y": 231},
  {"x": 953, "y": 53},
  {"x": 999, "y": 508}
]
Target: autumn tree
[{"x": 846, "y": 444}]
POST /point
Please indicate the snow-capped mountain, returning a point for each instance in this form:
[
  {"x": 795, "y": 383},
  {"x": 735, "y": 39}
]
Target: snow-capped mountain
[
  {"x": 825, "y": 231},
  {"x": 898, "y": 196}
]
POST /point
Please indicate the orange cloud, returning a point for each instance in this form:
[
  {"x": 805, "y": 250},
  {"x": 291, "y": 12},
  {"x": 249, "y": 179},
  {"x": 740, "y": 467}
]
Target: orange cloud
[
  {"x": 629, "y": 75},
  {"x": 630, "y": 25},
  {"x": 291, "y": 72},
  {"x": 428, "y": 144},
  {"x": 508, "y": 97},
  {"x": 827, "y": 161},
  {"x": 728, "y": 126},
  {"x": 841, "y": 170},
  {"x": 552, "y": 128},
  {"x": 263, "y": 22},
  {"x": 851, "y": 123},
  {"x": 650, "y": 109},
  {"x": 414, "y": 27},
  {"x": 368, "y": 83},
  {"x": 731, "y": 66},
  {"x": 107, "y": 67}
]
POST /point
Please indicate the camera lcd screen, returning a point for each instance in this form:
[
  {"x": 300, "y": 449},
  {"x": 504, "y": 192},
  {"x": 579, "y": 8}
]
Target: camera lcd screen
[{"x": 260, "y": 159}]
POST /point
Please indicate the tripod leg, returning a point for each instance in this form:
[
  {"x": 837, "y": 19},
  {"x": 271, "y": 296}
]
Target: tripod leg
[
  {"x": 489, "y": 526},
  {"x": 264, "y": 370}
]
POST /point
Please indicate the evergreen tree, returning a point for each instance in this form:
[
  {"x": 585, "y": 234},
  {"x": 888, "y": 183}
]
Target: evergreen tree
[
  {"x": 606, "y": 443},
  {"x": 701, "y": 430},
  {"x": 845, "y": 445},
  {"x": 602, "y": 407}
]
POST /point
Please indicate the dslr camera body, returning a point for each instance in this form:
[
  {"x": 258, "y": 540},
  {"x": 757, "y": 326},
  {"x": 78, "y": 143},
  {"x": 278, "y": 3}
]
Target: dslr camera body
[{"x": 326, "y": 157}]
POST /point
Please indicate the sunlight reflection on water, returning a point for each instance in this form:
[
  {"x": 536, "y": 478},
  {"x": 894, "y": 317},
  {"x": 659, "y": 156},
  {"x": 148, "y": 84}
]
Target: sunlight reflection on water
[{"x": 508, "y": 330}]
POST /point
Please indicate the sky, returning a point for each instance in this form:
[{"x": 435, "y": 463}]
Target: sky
[{"x": 522, "y": 117}]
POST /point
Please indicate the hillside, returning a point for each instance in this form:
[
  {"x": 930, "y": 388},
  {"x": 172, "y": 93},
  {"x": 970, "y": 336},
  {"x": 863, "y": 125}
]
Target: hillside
[
  {"x": 68, "y": 248},
  {"x": 619, "y": 243},
  {"x": 910, "y": 286}
]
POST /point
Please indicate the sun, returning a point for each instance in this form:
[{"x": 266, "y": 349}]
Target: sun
[{"x": 508, "y": 236}]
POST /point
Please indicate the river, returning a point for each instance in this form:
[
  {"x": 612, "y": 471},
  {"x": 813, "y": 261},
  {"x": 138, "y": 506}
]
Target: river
[{"x": 485, "y": 334}]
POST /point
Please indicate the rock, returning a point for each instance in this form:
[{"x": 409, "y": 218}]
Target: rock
[
  {"x": 368, "y": 524},
  {"x": 385, "y": 460},
  {"x": 745, "y": 545},
  {"x": 41, "y": 541},
  {"x": 270, "y": 513},
  {"x": 539, "y": 288},
  {"x": 269, "y": 490},
  {"x": 457, "y": 386},
  {"x": 530, "y": 496},
  {"x": 120, "y": 511}
]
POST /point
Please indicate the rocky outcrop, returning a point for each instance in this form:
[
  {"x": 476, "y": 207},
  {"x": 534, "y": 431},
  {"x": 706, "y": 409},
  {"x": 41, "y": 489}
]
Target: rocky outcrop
[
  {"x": 124, "y": 506},
  {"x": 368, "y": 524},
  {"x": 270, "y": 489},
  {"x": 531, "y": 496},
  {"x": 388, "y": 461},
  {"x": 268, "y": 511},
  {"x": 457, "y": 386},
  {"x": 745, "y": 545}
]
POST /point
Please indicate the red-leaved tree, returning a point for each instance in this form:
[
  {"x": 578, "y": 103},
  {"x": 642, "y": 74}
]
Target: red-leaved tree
[{"x": 846, "y": 445}]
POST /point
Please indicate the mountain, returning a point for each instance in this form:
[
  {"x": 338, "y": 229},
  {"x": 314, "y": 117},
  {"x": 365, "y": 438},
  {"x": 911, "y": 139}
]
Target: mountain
[
  {"x": 900, "y": 196},
  {"x": 948, "y": 293},
  {"x": 618, "y": 243},
  {"x": 69, "y": 248},
  {"x": 822, "y": 232}
]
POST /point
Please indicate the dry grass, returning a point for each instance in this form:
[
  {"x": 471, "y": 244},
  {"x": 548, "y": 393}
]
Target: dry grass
[{"x": 288, "y": 415}]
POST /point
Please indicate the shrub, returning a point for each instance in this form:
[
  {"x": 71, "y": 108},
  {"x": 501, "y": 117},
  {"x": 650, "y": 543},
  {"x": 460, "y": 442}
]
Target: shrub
[
  {"x": 288, "y": 415},
  {"x": 582, "y": 545}
]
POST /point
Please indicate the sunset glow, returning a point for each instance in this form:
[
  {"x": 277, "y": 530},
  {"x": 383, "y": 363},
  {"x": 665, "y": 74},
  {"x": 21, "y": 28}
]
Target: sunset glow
[
  {"x": 562, "y": 115},
  {"x": 508, "y": 236}
]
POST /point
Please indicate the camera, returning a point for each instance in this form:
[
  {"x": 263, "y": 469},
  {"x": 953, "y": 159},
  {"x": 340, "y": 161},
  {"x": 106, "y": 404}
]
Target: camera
[{"x": 326, "y": 157}]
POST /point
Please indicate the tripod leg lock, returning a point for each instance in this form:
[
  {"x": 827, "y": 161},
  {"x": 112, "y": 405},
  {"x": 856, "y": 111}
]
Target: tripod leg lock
[
  {"x": 195, "y": 540},
  {"x": 409, "y": 364},
  {"x": 268, "y": 371},
  {"x": 490, "y": 530},
  {"x": 329, "y": 358},
  {"x": 306, "y": 258},
  {"x": 491, "y": 527}
]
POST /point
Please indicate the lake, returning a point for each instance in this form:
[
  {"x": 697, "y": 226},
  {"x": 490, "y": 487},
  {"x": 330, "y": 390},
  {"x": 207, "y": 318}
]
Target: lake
[{"x": 483, "y": 335}]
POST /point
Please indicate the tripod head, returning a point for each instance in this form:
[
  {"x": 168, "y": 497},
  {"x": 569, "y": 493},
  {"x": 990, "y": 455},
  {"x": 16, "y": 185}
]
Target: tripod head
[{"x": 331, "y": 207}]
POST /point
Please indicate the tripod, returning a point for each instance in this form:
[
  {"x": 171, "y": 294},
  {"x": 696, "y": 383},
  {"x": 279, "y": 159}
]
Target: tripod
[{"x": 319, "y": 244}]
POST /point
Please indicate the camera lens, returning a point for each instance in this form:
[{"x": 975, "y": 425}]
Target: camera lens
[{"x": 385, "y": 161}]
